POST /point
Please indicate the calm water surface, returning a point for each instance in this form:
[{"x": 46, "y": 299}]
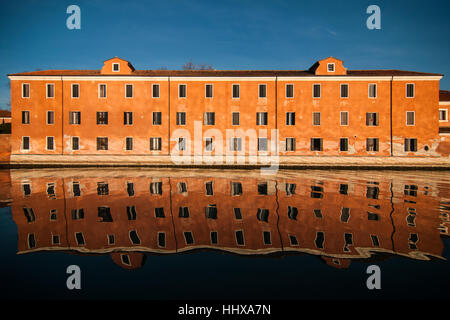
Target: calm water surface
[{"x": 215, "y": 234}]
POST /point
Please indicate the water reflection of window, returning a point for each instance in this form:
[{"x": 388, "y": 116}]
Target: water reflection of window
[
  {"x": 29, "y": 214},
  {"x": 267, "y": 238},
  {"x": 102, "y": 189},
  {"x": 412, "y": 241},
  {"x": 410, "y": 219},
  {"x": 237, "y": 213},
  {"x": 77, "y": 214},
  {"x": 316, "y": 192},
  {"x": 375, "y": 241},
  {"x": 134, "y": 237},
  {"x": 55, "y": 239},
  {"x": 236, "y": 188},
  {"x": 159, "y": 212},
  {"x": 263, "y": 215},
  {"x": 131, "y": 212},
  {"x": 292, "y": 212},
  {"x": 182, "y": 187},
  {"x": 293, "y": 240},
  {"x": 183, "y": 212},
  {"x": 111, "y": 239},
  {"x": 240, "y": 237},
  {"x": 31, "y": 241},
  {"x": 156, "y": 188},
  {"x": 290, "y": 188},
  {"x": 211, "y": 211},
  {"x": 26, "y": 187},
  {"x": 411, "y": 190},
  {"x": 318, "y": 213},
  {"x": 162, "y": 239},
  {"x": 372, "y": 192},
  {"x": 345, "y": 214},
  {"x": 348, "y": 237},
  {"x": 262, "y": 188},
  {"x": 373, "y": 216},
  {"x": 209, "y": 188},
  {"x": 51, "y": 190},
  {"x": 53, "y": 214},
  {"x": 76, "y": 189},
  {"x": 105, "y": 214},
  {"x": 320, "y": 239},
  {"x": 214, "y": 237},
  {"x": 125, "y": 259},
  {"x": 130, "y": 189},
  {"x": 79, "y": 238},
  {"x": 343, "y": 188},
  {"x": 188, "y": 237}
]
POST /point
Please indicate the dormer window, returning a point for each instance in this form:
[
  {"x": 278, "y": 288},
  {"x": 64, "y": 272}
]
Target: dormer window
[
  {"x": 330, "y": 67},
  {"x": 115, "y": 67}
]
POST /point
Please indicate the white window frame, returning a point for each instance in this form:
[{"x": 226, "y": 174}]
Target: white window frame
[
  {"x": 320, "y": 90},
  {"x": 29, "y": 116},
  {"x": 132, "y": 144},
  {"x": 46, "y": 90},
  {"x": 46, "y": 117},
  {"x": 320, "y": 119},
  {"x": 406, "y": 90},
  {"x": 212, "y": 143},
  {"x": 285, "y": 144},
  {"x": 235, "y": 125},
  {"x": 29, "y": 144},
  {"x": 179, "y": 86},
  {"x": 368, "y": 91},
  {"x": 132, "y": 90},
  {"x": 331, "y": 64},
  {"x": 71, "y": 143},
  {"x": 29, "y": 90},
  {"x": 446, "y": 114},
  {"x": 212, "y": 90},
  {"x": 118, "y": 67},
  {"x": 71, "y": 90},
  {"x": 348, "y": 119},
  {"x": 239, "y": 86},
  {"x": 259, "y": 90},
  {"x": 46, "y": 143},
  {"x": 340, "y": 144},
  {"x": 414, "y": 118},
  {"x": 99, "y": 91},
  {"x": 348, "y": 90},
  {"x": 285, "y": 90},
  {"x": 378, "y": 143},
  {"x": 159, "y": 91},
  {"x": 155, "y": 144},
  {"x": 290, "y": 112}
]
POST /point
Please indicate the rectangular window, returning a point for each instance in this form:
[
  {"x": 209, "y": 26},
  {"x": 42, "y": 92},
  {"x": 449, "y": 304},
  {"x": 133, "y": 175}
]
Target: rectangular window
[
  {"x": 181, "y": 91},
  {"x": 266, "y": 238},
  {"x": 181, "y": 118},
  {"x": 262, "y": 91},
  {"x": 25, "y": 90},
  {"x": 50, "y": 143},
  {"x": 209, "y": 144},
  {"x": 410, "y": 144},
  {"x": 344, "y": 118},
  {"x": 372, "y": 119},
  {"x": 159, "y": 213},
  {"x": 235, "y": 144},
  {"x": 410, "y": 118},
  {"x": 343, "y": 144},
  {"x": 372, "y": 144},
  {"x": 211, "y": 211},
  {"x": 75, "y": 143},
  {"x": 236, "y": 188},
  {"x": 261, "y": 118},
  {"x": 129, "y": 143},
  {"x": 26, "y": 117},
  {"x": 209, "y": 118},
  {"x": 208, "y": 90},
  {"x": 316, "y": 90},
  {"x": 262, "y": 144},
  {"x": 316, "y": 118},
  {"x": 75, "y": 90},
  {"x": 289, "y": 91},
  {"x": 235, "y": 118},
  {"x": 156, "y": 118},
  {"x": 128, "y": 118},
  {"x": 156, "y": 188},
  {"x": 214, "y": 237},
  {"x": 25, "y": 143},
  {"x": 188, "y": 237},
  {"x": 50, "y": 117},
  {"x": 102, "y": 143},
  {"x": 183, "y": 212},
  {"x": 316, "y": 144},
  {"x": 130, "y": 189},
  {"x": 155, "y": 144},
  {"x": 443, "y": 115},
  {"x": 237, "y": 213},
  {"x": 290, "y": 118},
  {"x": 102, "y": 117},
  {"x": 236, "y": 91},
  {"x": 240, "y": 237},
  {"x": 128, "y": 91},
  {"x": 102, "y": 90},
  {"x": 162, "y": 239},
  {"x": 155, "y": 90},
  {"x": 410, "y": 90},
  {"x": 181, "y": 144},
  {"x": 50, "y": 90},
  {"x": 74, "y": 117},
  {"x": 115, "y": 67},
  {"x": 330, "y": 67},
  {"x": 344, "y": 90},
  {"x": 290, "y": 144},
  {"x": 372, "y": 90}
]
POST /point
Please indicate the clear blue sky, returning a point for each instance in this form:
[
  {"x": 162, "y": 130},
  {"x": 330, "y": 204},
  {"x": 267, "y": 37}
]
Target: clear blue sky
[{"x": 227, "y": 34}]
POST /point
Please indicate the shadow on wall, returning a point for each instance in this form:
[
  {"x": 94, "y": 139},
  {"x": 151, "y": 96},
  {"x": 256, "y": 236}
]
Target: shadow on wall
[{"x": 5, "y": 146}]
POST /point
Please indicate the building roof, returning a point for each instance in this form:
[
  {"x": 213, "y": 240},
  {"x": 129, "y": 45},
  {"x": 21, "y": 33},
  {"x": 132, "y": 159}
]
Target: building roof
[
  {"x": 224, "y": 73},
  {"x": 444, "y": 95},
  {"x": 5, "y": 114}
]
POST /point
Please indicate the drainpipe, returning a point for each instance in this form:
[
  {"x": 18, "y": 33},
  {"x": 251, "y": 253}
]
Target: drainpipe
[
  {"x": 62, "y": 116},
  {"x": 390, "y": 114},
  {"x": 168, "y": 119}
]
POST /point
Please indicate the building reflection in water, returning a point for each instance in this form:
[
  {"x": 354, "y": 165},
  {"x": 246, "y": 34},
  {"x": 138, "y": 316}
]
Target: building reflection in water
[{"x": 127, "y": 214}]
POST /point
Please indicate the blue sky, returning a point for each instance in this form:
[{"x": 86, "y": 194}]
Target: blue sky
[{"x": 227, "y": 34}]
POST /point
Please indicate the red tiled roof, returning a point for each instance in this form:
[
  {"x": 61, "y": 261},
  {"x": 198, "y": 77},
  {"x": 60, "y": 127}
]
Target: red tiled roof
[
  {"x": 5, "y": 114},
  {"x": 444, "y": 95},
  {"x": 223, "y": 73}
]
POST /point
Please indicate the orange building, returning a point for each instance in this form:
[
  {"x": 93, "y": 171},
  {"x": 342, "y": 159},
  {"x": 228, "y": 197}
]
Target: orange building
[{"x": 325, "y": 110}]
